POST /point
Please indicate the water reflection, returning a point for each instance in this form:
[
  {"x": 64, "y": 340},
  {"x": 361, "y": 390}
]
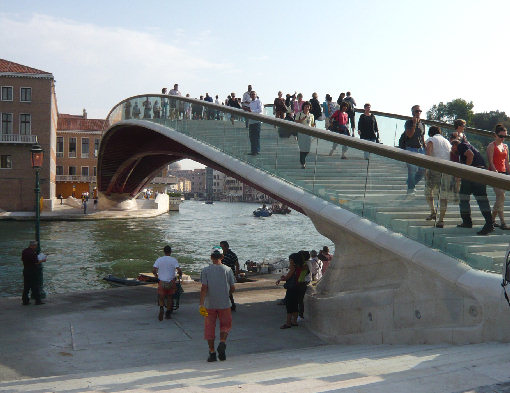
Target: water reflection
[{"x": 80, "y": 253}]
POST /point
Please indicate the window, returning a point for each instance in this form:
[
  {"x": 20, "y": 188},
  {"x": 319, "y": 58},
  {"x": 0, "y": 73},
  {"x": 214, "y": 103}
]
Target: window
[
  {"x": 84, "y": 170},
  {"x": 25, "y": 94},
  {"x": 72, "y": 171},
  {"x": 95, "y": 171},
  {"x": 6, "y": 93},
  {"x": 60, "y": 146},
  {"x": 6, "y": 123},
  {"x": 85, "y": 148},
  {"x": 60, "y": 170},
  {"x": 96, "y": 147},
  {"x": 5, "y": 162},
  {"x": 24, "y": 124},
  {"x": 72, "y": 148}
]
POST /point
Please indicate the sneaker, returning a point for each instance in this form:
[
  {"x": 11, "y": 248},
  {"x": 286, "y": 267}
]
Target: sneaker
[
  {"x": 168, "y": 314},
  {"x": 221, "y": 351},
  {"x": 161, "y": 313},
  {"x": 212, "y": 357},
  {"x": 440, "y": 224},
  {"x": 432, "y": 216},
  {"x": 233, "y": 307},
  {"x": 465, "y": 225},
  {"x": 410, "y": 194},
  {"x": 485, "y": 230},
  {"x": 504, "y": 227},
  {"x": 300, "y": 319}
]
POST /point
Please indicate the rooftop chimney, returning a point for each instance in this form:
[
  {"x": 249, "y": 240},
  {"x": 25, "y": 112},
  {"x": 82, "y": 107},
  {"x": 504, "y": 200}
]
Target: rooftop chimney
[{"x": 84, "y": 113}]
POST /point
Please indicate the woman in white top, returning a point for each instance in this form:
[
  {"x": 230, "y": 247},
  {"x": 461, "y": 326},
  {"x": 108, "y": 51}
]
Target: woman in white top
[
  {"x": 437, "y": 182},
  {"x": 304, "y": 141}
]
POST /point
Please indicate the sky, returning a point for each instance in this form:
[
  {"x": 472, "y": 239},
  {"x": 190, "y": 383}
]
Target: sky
[{"x": 393, "y": 54}]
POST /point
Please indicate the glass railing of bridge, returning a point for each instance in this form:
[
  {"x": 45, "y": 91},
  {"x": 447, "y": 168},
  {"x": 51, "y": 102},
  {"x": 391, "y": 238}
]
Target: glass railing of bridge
[{"x": 368, "y": 184}]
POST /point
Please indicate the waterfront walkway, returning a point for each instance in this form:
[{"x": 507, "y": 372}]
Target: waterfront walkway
[
  {"x": 111, "y": 341},
  {"x": 68, "y": 213}
]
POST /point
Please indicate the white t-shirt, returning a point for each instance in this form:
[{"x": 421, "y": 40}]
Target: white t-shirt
[
  {"x": 166, "y": 267},
  {"x": 441, "y": 147}
]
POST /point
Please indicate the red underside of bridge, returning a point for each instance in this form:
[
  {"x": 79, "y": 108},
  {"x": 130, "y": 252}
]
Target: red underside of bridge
[{"x": 130, "y": 157}]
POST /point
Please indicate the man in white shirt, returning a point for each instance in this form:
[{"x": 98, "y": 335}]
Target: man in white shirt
[
  {"x": 436, "y": 182},
  {"x": 255, "y": 106},
  {"x": 164, "y": 270},
  {"x": 175, "y": 91},
  {"x": 173, "y": 105},
  {"x": 245, "y": 104}
]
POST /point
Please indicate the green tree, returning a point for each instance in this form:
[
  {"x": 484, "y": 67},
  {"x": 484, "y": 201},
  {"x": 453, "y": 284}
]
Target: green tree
[
  {"x": 455, "y": 109},
  {"x": 488, "y": 120}
]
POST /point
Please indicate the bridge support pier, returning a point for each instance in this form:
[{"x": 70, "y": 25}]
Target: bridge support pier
[
  {"x": 412, "y": 295},
  {"x": 116, "y": 202}
]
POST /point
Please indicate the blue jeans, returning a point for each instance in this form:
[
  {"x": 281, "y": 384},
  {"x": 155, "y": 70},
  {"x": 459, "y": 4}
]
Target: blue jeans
[
  {"x": 414, "y": 173},
  {"x": 254, "y": 131}
]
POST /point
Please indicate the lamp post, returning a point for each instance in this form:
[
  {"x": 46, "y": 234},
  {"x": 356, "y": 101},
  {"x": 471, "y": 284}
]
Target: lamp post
[
  {"x": 37, "y": 156},
  {"x": 37, "y": 161}
]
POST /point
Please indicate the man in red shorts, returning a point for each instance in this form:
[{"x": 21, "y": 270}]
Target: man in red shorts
[
  {"x": 164, "y": 270},
  {"x": 217, "y": 286}
]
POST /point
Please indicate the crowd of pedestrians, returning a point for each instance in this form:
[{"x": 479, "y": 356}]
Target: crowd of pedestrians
[
  {"x": 339, "y": 117},
  {"x": 218, "y": 286},
  {"x": 304, "y": 267}
]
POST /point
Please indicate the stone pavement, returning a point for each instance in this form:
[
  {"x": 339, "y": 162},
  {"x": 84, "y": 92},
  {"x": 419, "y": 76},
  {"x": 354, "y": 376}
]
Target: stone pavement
[
  {"x": 111, "y": 341},
  {"x": 68, "y": 213}
]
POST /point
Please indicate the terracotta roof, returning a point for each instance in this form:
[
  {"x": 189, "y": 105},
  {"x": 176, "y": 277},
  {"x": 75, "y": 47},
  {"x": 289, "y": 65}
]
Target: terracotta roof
[
  {"x": 78, "y": 123},
  {"x": 10, "y": 66}
]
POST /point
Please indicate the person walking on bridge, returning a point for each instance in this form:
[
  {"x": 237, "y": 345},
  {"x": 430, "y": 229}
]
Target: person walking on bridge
[
  {"x": 254, "y": 130},
  {"x": 497, "y": 153},
  {"x": 413, "y": 139},
  {"x": 164, "y": 270},
  {"x": 246, "y": 102},
  {"x": 173, "y": 104},
  {"x": 217, "y": 285},
  {"x": 468, "y": 155}
]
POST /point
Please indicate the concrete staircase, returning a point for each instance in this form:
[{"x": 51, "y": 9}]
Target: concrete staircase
[{"x": 374, "y": 188}]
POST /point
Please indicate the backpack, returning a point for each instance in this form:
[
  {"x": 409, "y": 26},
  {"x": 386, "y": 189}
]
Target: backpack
[{"x": 506, "y": 275}]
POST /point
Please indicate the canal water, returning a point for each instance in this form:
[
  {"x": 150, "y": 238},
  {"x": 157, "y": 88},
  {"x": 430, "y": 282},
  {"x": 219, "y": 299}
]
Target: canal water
[{"x": 81, "y": 253}]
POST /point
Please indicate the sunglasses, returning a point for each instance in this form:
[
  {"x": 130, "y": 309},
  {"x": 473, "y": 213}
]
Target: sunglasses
[{"x": 502, "y": 136}]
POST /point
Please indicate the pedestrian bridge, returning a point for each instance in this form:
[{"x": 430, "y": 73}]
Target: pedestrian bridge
[{"x": 395, "y": 277}]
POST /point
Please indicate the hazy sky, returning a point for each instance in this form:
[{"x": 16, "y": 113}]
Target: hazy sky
[{"x": 391, "y": 53}]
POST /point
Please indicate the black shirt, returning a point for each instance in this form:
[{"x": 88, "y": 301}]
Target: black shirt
[
  {"x": 478, "y": 160},
  {"x": 367, "y": 126},
  {"x": 29, "y": 258},
  {"x": 417, "y": 140},
  {"x": 230, "y": 260},
  {"x": 316, "y": 108}
]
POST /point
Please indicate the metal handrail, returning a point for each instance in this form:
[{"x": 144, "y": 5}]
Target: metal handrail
[{"x": 451, "y": 168}]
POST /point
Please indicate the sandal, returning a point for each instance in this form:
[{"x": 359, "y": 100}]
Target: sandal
[
  {"x": 440, "y": 224},
  {"x": 285, "y": 326}
]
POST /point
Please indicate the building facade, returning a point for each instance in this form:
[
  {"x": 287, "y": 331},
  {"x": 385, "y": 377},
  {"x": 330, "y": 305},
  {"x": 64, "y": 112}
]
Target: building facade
[
  {"x": 77, "y": 147},
  {"x": 28, "y": 114}
]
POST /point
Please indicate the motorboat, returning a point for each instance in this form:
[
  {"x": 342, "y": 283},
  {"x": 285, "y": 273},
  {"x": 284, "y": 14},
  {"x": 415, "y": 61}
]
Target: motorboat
[
  {"x": 280, "y": 209},
  {"x": 262, "y": 212}
]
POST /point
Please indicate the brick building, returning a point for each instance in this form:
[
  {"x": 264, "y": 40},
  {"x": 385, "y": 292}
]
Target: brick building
[
  {"x": 77, "y": 148},
  {"x": 28, "y": 114}
]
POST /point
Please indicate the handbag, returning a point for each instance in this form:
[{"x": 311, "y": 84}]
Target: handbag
[{"x": 290, "y": 283}]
